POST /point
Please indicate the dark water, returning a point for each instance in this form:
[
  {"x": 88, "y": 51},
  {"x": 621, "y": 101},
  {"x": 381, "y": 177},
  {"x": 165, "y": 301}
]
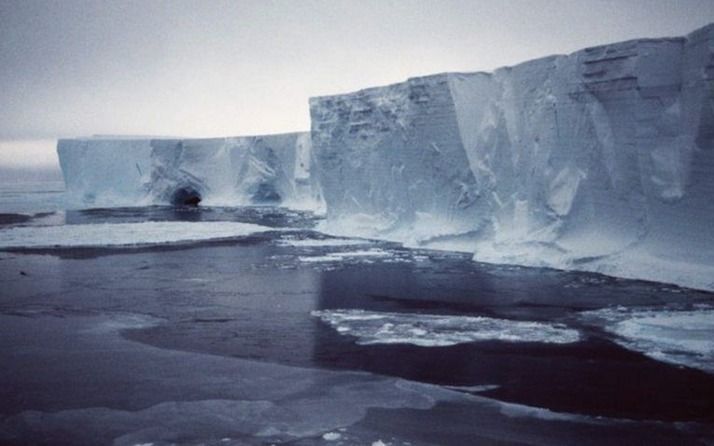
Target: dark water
[
  {"x": 263, "y": 215},
  {"x": 252, "y": 298},
  {"x": 594, "y": 376}
]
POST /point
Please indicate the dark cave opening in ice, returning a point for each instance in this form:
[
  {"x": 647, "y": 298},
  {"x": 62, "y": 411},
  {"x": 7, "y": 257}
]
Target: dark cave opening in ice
[{"x": 186, "y": 196}]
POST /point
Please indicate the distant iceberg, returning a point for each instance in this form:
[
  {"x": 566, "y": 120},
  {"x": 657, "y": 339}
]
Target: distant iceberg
[
  {"x": 139, "y": 171},
  {"x": 601, "y": 160}
]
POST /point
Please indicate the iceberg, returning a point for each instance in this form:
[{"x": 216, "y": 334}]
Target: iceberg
[
  {"x": 126, "y": 171},
  {"x": 601, "y": 160}
]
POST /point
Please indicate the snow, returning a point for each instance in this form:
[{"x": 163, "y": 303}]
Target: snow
[
  {"x": 122, "y": 234},
  {"x": 684, "y": 337},
  {"x": 429, "y": 330},
  {"x": 600, "y": 161},
  {"x": 111, "y": 172}
]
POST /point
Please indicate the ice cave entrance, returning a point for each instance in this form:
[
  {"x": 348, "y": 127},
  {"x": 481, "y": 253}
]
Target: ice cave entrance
[{"x": 186, "y": 196}]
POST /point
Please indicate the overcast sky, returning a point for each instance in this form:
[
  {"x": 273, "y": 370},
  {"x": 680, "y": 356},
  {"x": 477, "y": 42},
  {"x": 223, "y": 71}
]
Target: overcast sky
[{"x": 214, "y": 68}]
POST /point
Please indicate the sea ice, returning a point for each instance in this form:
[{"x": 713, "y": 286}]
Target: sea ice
[
  {"x": 430, "y": 330},
  {"x": 315, "y": 243},
  {"x": 122, "y": 234},
  {"x": 347, "y": 255},
  {"x": 684, "y": 337},
  {"x": 331, "y": 436}
]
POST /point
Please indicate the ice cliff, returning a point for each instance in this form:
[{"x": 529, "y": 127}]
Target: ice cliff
[
  {"x": 110, "y": 171},
  {"x": 601, "y": 160}
]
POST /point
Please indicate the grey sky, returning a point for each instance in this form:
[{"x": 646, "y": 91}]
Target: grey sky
[{"x": 200, "y": 68}]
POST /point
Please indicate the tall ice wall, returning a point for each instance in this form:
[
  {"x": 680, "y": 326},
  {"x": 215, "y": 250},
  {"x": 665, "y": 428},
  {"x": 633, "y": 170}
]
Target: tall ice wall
[{"x": 601, "y": 160}]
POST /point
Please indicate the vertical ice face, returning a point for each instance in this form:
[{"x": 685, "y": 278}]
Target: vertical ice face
[
  {"x": 273, "y": 169},
  {"x": 394, "y": 155},
  {"x": 98, "y": 172},
  {"x": 599, "y": 160}
]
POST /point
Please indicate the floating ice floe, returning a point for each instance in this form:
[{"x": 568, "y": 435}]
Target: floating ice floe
[
  {"x": 683, "y": 337},
  {"x": 346, "y": 255},
  {"x": 123, "y": 234},
  {"x": 317, "y": 243},
  {"x": 331, "y": 436},
  {"x": 430, "y": 330}
]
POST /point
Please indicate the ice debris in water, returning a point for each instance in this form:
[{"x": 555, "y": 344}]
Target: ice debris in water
[
  {"x": 318, "y": 243},
  {"x": 683, "y": 337},
  {"x": 331, "y": 436},
  {"x": 431, "y": 330},
  {"x": 346, "y": 255}
]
